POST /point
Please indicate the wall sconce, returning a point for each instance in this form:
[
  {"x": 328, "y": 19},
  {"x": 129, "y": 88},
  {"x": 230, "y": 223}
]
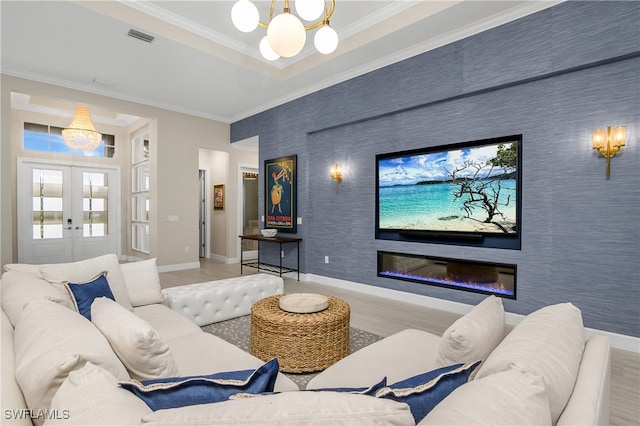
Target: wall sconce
[
  {"x": 336, "y": 174},
  {"x": 609, "y": 141}
]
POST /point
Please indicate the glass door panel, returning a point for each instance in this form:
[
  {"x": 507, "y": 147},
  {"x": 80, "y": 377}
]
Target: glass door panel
[
  {"x": 95, "y": 202},
  {"x": 47, "y": 208}
]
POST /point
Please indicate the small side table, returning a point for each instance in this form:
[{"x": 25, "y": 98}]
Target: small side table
[
  {"x": 301, "y": 342},
  {"x": 260, "y": 265}
]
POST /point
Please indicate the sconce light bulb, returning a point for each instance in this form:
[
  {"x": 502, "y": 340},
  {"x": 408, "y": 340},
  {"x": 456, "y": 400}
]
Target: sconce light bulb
[
  {"x": 620, "y": 135},
  {"x": 335, "y": 171}
]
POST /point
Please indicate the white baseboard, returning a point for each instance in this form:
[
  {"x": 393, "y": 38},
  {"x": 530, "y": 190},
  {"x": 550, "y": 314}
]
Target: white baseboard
[
  {"x": 179, "y": 267},
  {"x": 217, "y": 257},
  {"x": 618, "y": 341},
  {"x": 224, "y": 259}
]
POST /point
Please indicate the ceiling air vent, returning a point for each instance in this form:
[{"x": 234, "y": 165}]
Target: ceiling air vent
[{"x": 140, "y": 35}]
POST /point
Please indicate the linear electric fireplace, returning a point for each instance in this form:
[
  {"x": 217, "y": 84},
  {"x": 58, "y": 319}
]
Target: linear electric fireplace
[{"x": 478, "y": 277}]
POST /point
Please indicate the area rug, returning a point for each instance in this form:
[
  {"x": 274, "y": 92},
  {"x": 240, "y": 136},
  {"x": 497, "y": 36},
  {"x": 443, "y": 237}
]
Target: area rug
[{"x": 238, "y": 332}]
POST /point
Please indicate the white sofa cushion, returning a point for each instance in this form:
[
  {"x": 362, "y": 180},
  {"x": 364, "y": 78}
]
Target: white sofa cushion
[
  {"x": 290, "y": 408},
  {"x": 51, "y": 341},
  {"x": 19, "y": 288},
  {"x": 85, "y": 270},
  {"x": 188, "y": 352},
  {"x": 135, "y": 342},
  {"x": 143, "y": 282},
  {"x": 549, "y": 342},
  {"x": 92, "y": 396},
  {"x": 168, "y": 323},
  {"x": 473, "y": 336},
  {"x": 512, "y": 397},
  {"x": 382, "y": 359},
  {"x": 10, "y": 394},
  {"x": 25, "y": 268}
]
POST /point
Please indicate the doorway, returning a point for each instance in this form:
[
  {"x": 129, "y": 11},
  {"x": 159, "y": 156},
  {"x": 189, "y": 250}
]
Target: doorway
[
  {"x": 250, "y": 220},
  {"x": 66, "y": 212}
]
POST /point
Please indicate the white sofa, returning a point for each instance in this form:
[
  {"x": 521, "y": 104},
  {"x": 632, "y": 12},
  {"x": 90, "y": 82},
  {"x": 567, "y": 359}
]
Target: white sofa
[
  {"x": 543, "y": 371},
  {"x": 60, "y": 368}
]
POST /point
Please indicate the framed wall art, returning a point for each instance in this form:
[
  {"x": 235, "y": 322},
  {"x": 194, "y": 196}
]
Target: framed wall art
[
  {"x": 218, "y": 197},
  {"x": 280, "y": 193}
]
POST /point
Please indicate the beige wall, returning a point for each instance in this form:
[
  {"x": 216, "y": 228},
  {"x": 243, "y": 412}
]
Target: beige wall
[{"x": 174, "y": 171}]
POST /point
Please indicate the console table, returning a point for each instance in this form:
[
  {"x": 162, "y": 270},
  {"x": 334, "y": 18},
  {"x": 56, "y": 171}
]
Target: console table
[{"x": 258, "y": 264}]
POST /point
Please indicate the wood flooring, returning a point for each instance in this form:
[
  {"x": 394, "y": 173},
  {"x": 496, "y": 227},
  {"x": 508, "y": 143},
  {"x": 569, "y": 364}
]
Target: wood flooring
[{"x": 384, "y": 317}]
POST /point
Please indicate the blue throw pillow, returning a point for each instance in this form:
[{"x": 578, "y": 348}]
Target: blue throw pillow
[
  {"x": 371, "y": 390},
  {"x": 84, "y": 294},
  {"x": 176, "y": 392},
  {"x": 425, "y": 391}
]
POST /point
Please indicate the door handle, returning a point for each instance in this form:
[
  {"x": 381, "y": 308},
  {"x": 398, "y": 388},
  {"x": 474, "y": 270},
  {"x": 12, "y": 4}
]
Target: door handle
[
  {"x": 77, "y": 227},
  {"x": 68, "y": 227}
]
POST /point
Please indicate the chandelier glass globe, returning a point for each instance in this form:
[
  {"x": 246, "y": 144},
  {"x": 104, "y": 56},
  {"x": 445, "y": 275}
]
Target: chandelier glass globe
[
  {"x": 286, "y": 35},
  {"x": 245, "y": 16},
  {"x": 266, "y": 50},
  {"x": 309, "y": 10},
  {"x": 326, "y": 39}
]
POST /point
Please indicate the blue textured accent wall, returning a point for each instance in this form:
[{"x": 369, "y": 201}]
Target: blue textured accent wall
[{"x": 553, "y": 77}]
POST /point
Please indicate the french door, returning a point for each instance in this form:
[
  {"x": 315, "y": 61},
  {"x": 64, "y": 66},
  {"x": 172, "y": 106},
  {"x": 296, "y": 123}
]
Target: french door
[{"x": 66, "y": 212}]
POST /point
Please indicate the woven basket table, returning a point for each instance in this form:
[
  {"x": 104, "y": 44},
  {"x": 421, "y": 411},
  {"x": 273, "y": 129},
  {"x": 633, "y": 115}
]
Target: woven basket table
[{"x": 302, "y": 342}]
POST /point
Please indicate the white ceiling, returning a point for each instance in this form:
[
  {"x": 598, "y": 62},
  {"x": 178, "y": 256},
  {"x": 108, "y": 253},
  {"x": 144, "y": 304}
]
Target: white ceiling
[{"x": 200, "y": 64}]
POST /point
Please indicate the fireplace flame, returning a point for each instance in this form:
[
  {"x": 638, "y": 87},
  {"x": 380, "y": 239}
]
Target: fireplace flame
[{"x": 493, "y": 288}]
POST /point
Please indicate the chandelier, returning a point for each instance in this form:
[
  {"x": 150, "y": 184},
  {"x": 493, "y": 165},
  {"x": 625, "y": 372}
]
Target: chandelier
[
  {"x": 81, "y": 134},
  {"x": 286, "y": 34}
]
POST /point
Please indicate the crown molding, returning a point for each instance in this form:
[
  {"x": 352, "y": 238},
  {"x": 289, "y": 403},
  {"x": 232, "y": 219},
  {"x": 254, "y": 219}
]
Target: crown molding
[{"x": 111, "y": 94}]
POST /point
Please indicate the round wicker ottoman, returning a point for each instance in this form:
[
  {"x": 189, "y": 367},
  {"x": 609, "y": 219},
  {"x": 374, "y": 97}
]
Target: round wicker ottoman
[{"x": 301, "y": 342}]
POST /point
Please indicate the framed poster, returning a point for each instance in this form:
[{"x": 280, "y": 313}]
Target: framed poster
[
  {"x": 280, "y": 193},
  {"x": 218, "y": 197}
]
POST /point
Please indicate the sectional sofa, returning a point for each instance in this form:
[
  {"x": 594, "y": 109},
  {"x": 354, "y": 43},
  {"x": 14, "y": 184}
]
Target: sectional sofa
[{"x": 92, "y": 342}]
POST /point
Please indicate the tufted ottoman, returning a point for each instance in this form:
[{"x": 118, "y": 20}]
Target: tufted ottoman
[{"x": 214, "y": 301}]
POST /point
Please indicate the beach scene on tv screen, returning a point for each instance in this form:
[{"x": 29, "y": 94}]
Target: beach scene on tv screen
[{"x": 471, "y": 189}]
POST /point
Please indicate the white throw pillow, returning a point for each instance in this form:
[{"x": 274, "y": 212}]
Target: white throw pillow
[
  {"x": 92, "y": 396},
  {"x": 85, "y": 270},
  {"x": 290, "y": 408},
  {"x": 473, "y": 336},
  {"x": 549, "y": 342},
  {"x": 512, "y": 397},
  {"x": 143, "y": 282},
  {"x": 18, "y": 289},
  {"x": 137, "y": 344},
  {"x": 50, "y": 342}
]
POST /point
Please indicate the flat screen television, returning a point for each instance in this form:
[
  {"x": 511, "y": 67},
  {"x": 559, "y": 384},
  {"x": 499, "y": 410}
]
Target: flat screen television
[{"x": 466, "y": 193}]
